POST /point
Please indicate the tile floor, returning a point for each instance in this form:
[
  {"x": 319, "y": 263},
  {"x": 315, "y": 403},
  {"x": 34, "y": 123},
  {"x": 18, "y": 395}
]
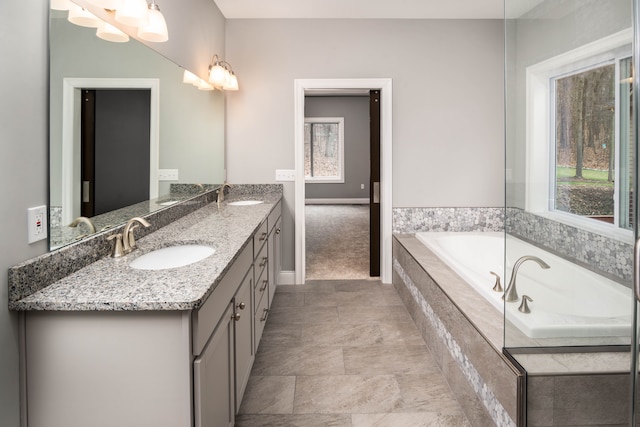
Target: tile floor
[{"x": 345, "y": 353}]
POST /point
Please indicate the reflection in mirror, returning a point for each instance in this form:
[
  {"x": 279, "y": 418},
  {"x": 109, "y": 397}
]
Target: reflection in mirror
[{"x": 127, "y": 136}]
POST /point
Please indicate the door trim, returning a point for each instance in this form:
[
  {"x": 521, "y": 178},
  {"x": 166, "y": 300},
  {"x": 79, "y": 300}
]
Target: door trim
[
  {"x": 386, "y": 136},
  {"x": 71, "y": 134}
]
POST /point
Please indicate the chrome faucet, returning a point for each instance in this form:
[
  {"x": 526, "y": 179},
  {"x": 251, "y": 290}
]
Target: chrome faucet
[
  {"x": 83, "y": 220},
  {"x": 510, "y": 294},
  {"x": 220, "y": 192},
  {"x": 128, "y": 238}
]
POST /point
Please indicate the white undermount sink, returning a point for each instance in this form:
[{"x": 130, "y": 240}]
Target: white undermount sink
[
  {"x": 245, "y": 202},
  {"x": 172, "y": 257}
]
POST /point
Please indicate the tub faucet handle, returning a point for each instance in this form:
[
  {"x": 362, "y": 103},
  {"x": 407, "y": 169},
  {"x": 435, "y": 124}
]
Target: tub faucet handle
[
  {"x": 524, "y": 307},
  {"x": 498, "y": 286}
]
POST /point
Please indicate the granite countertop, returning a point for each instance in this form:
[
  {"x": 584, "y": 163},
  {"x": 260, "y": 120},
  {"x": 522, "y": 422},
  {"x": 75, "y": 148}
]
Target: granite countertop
[{"x": 109, "y": 284}]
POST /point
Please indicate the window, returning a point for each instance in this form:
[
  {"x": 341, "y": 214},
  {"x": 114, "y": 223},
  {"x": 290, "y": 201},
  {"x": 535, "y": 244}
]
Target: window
[
  {"x": 324, "y": 149},
  {"x": 579, "y": 136}
]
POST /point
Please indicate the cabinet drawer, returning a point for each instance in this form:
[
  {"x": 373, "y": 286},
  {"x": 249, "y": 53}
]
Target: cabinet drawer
[
  {"x": 260, "y": 319},
  {"x": 261, "y": 286},
  {"x": 274, "y": 215},
  {"x": 262, "y": 260},
  {"x": 260, "y": 238},
  {"x": 207, "y": 317}
]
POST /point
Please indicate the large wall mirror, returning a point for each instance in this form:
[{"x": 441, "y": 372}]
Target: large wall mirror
[{"x": 121, "y": 115}]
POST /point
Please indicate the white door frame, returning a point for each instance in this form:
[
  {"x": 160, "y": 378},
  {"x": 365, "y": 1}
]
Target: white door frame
[
  {"x": 71, "y": 135},
  {"x": 385, "y": 87}
]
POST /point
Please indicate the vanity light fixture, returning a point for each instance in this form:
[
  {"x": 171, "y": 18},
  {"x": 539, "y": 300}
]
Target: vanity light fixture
[
  {"x": 221, "y": 75},
  {"x": 155, "y": 28},
  {"x": 60, "y": 4},
  {"x": 203, "y": 85},
  {"x": 110, "y": 33},
  {"x": 134, "y": 13},
  {"x": 106, "y": 4},
  {"x": 190, "y": 78},
  {"x": 82, "y": 17}
]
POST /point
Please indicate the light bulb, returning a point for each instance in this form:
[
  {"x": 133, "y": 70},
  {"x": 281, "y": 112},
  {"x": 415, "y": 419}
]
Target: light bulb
[
  {"x": 110, "y": 33},
  {"x": 155, "y": 29},
  {"x": 82, "y": 17},
  {"x": 133, "y": 13}
]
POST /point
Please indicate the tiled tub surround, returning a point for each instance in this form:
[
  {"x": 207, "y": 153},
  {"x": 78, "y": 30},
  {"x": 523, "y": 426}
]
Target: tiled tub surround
[
  {"x": 84, "y": 277},
  {"x": 601, "y": 254},
  {"x": 463, "y": 333},
  {"x": 412, "y": 220}
]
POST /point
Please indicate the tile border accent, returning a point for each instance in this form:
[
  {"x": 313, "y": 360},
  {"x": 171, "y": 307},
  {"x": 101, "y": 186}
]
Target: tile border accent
[
  {"x": 413, "y": 220},
  {"x": 493, "y": 406}
]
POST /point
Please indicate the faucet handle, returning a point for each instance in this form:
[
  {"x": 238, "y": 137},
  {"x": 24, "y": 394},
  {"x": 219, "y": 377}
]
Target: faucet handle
[
  {"x": 118, "y": 249},
  {"x": 498, "y": 286},
  {"x": 524, "y": 307}
]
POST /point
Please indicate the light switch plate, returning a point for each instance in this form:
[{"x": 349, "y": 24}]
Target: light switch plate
[
  {"x": 36, "y": 223},
  {"x": 167, "y": 174},
  {"x": 285, "y": 174}
]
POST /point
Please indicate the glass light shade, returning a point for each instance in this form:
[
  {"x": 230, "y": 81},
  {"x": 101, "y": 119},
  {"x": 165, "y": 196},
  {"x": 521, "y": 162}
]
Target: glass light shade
[
  {"x": 203, "y": 85},
  {"x": 189, "y": 77},
  {"x": 110, "y": 33},
  {"x": 232, "y": 82},
  {"x": 218, "y": 75},
  {"x": 155, "y": 29},
  {"x": 133, "y": 13},
  {"x": 60, "y": 4},
  {"x": 106, "y": 4},
  {"x": 82, "y": 17}
]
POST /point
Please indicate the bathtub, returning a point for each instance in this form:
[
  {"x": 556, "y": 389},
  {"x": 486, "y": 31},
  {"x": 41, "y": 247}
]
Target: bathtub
[{"x": 568, "y": 300}]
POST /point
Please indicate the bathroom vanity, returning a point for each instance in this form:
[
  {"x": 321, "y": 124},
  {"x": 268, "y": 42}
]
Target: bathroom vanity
[{"x": 114, "y": 345}]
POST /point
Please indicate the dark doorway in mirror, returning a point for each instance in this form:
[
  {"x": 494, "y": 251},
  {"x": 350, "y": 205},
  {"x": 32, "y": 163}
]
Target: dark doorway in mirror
[{"x": 115, "y": 149}]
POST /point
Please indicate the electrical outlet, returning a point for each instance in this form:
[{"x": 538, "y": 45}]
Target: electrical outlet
[
  {"x": 36, "y": 223},
  {"x": 167, "y": 174},
  {"x": 285, "y": 174}
]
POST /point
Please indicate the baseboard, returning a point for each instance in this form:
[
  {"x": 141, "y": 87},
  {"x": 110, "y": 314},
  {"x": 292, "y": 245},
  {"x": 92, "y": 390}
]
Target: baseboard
[
  {"x": 287, "y": 278},
  {"x": 355, "y": 201}
]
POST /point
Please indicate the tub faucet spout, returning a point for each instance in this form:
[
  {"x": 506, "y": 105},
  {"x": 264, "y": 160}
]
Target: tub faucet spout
[{"x": 511, "y": 294}]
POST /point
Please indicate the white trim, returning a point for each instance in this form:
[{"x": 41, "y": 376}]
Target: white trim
[
  {"x": 386, "y": 136},
  {"x": 360, "y": 201},
  {"x": 71, "y": 138},
  {"x": 287, "y": 278},
  {"x": 330, "y": 179},
  {"x": 539, "y": 191}
]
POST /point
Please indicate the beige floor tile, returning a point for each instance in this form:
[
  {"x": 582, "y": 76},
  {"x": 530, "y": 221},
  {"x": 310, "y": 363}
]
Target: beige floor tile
[
  {"x": 368, "y": 313},
  {"x": 307, "y": 360},
  {"x": 421, "y": 419},
  {"x": 394, "y": 359},
  {"x": 297, "y": 420},
  {"x": 269, "y": 395},
  {"x": 426, "y": 393},
  {"x": 342, "y": 335},
  {"x": 289, "y": 315},
  {"x": 346, "y": 394}
]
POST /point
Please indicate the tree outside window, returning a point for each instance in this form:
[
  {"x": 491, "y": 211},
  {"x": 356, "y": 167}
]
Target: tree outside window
[{"x": 324, "y": 149}]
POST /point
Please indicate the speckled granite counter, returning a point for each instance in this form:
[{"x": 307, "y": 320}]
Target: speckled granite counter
[{"x": 109, "y": 284}]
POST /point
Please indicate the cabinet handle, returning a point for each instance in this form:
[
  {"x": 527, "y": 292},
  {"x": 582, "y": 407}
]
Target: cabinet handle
[
  {"x": 263, "y": 236},
  {"x": 264, "y": 261},
  {"x": 235, "y": 316},
  {"x": 242, "y": 305},
  {"x": 264, "y": 315},
  {"x": 278, "y": 230},
  {"x": 264, "y": 285}
]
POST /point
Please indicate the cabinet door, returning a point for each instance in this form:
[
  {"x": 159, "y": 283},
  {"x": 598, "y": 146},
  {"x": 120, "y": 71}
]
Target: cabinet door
[
  {"x": 244, "y": 351},
  {"x": 275, "y": 242},
  {"x": 213, "y": 373}
]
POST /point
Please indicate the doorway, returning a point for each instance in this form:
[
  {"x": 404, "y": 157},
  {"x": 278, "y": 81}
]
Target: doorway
[
  {"x": 383, "y": 186},
  {"x": 71, "y": 135}
]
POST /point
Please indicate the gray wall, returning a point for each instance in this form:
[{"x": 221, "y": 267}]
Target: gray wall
[
  {"x": 447, "y": 102},
  {"x": 548, "y": 30},
  {"x": 355, "y": 110},
  {"x": 24, "y": 140}
]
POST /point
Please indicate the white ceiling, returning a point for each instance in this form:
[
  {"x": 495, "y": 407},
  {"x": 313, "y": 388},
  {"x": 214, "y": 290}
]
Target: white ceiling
[{"x": 368, "y": 9}]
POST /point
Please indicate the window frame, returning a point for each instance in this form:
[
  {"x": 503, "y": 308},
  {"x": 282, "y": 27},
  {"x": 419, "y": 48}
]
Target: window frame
[
  {"x": 340, "y": 179},
  {"x": 540, "y": 129}
]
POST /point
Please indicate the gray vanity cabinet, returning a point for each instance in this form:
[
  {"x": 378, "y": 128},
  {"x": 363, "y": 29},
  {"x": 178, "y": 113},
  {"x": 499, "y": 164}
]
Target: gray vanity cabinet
[
  {"x": 275, "y": 245},
  {"x": 213, "y": 373},
  {"x": 244, "y": 350}
]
